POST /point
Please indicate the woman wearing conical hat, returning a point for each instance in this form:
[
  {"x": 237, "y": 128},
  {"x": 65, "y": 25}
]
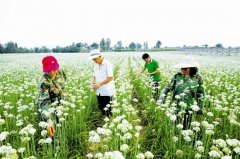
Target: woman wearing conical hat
[{"x": 187, "y": 89}]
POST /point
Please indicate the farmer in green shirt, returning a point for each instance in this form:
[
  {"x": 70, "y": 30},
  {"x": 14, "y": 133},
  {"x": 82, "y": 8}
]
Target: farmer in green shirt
[
  {"x": 153, "y": 70},
  {"x": 187, "y": 90}
]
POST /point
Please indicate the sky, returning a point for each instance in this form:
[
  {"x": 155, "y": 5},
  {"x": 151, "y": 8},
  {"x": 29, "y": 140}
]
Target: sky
[{"x": 50, "y": 23}]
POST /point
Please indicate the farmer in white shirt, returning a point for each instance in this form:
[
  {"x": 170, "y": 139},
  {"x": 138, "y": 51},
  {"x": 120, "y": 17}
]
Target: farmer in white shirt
[{"x": 103, "y": 81}]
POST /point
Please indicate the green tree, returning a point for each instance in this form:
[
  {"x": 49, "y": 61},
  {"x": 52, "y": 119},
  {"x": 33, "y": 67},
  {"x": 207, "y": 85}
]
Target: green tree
[
  {"x": 158, "y": 44},
  {"x": 1, "y": 49},
  {"x": 118, "y": 46},
  {"x": 94, "y": 46},
  {"x": 103, "y": 44},
  {"x": 145, "y": 45},
  {"x": 205, "y": 46},
  {"x": 79, "y": 46},
  {"x": 11, "y": 47},
  {"x": 219, "y": 45},
  {"x": 108, "y": 44},
  {"x": 132, "y": 46},
  {"x": 44, "y": 49},
  {"x": 36, "y": 50},
  {"x": 138, "y": 46}
]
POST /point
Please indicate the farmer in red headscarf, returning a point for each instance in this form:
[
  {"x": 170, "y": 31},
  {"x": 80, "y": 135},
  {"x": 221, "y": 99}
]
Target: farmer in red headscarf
[{"x": 51, "y": 88}]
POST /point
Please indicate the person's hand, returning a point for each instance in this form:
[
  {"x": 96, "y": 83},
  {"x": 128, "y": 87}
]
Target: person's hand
[
  {"x": 50, "y": 128},
  {"x": 96, "y": 86}
]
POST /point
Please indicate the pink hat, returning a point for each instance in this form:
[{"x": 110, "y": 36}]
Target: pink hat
[{"x": 50, "y": 63}]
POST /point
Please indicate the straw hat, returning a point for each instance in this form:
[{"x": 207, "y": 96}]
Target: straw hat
[{"x": 187, "y": 62}]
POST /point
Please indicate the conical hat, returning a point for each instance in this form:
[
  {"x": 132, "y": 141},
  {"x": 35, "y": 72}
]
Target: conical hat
[{"x": 187, "y": 62}]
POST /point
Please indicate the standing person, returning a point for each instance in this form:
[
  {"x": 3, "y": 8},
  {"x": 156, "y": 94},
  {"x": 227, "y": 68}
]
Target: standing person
[
  {"x": 51, "y": 88},
  {"x": 153, "y": 69},
  {"x": 103, "y": 81},
  {"x": 187, "y": 88}
]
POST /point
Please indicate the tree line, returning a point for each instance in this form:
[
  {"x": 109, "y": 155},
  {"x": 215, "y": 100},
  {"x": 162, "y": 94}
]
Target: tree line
[{"x": 104, "y": 45}]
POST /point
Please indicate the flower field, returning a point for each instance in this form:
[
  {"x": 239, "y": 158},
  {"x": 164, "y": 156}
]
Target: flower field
[{"x": 140, "y": 127}]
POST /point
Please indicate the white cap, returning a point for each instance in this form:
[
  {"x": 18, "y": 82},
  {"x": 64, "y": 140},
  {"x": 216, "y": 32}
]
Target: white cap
[
  {"x": 94, "y": 54},
  {"x": 187, "y": 62}
]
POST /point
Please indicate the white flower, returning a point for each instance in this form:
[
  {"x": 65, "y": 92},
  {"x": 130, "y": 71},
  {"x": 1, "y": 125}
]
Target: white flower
[
  {"x": 187, "y": 138},
  {"x": 226, "y": 150},
  {"x": 44, "y": 133},
  {"x": 197, "y": 129},
  {"x": 4, "y": 135},
  {"x": 138, "y": 128},
  {"x": 237, "y": 150},
  {"x": 94, "y": 138},
  {"x": 209, "y": 132},
  {"x": 136, "y": 135},
  {"x": 214, "y": 154},
  {"x": 140, "y": 156},
  {"x": 48, "y": 140},
  {"x": 89, "y": 155},
  {"x": 41, "y": 142},
  {"x": 187, "y": 132},
  {"x": 99, "y": 155},
  {"x": 209, "y": 114},
  {"x": 175, "y": 139},
  {"x": 200, "y": 149},
  {"x": 180, "y": 126},
  {"x": 106, "y": 119},
  {"x": 43, "y": 124},
  {"x": 149, "y": 154},
  {"x": 135, "y": 100},
  {"x": 173, "y": 117},
  {"x": 21, "y": 150},
  {"x": 124, "y": 147},
  {"x": 195, "y": 124},
  {"x": 25, "y": 139},
  {"x": 32, "y": 157},
  {"x": 221, "y": 143},
  {"x": 226, "y": 157},
  {"x": 198, "y": 143},
  {"x": 61, "y": 119},
  {"x": 31, "y": 131},
  {"x": 233, "y": 142},
  {"x": 177, "y": 96},
  {"x": 2, "y": 121},
  {"x": 198, "y": 156},
  {"x": 127, "y": 136},
  {"x": 195, "y": 108}
]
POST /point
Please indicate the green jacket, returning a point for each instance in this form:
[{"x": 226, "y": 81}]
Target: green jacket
[
  {"x": 187, "y": 90},
  {"x": 50, "y": 90}
]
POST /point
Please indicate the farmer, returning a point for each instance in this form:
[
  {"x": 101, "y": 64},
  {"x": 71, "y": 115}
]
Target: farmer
[
  {"x": 188, "y": 90},
  {"x": 51, "y": 88},
  {"x": 153, "y": 70},
  {"x": 103, "y": 81}
]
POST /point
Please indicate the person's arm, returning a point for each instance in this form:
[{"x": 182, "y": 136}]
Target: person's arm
[
  {"x": 143, "y": 69},
  {"x": 155, "y": 72},
  {"x": 43, "y": 95},
  {"x": 156, "y": 67},
  {"x": 108, "y": 79}
]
